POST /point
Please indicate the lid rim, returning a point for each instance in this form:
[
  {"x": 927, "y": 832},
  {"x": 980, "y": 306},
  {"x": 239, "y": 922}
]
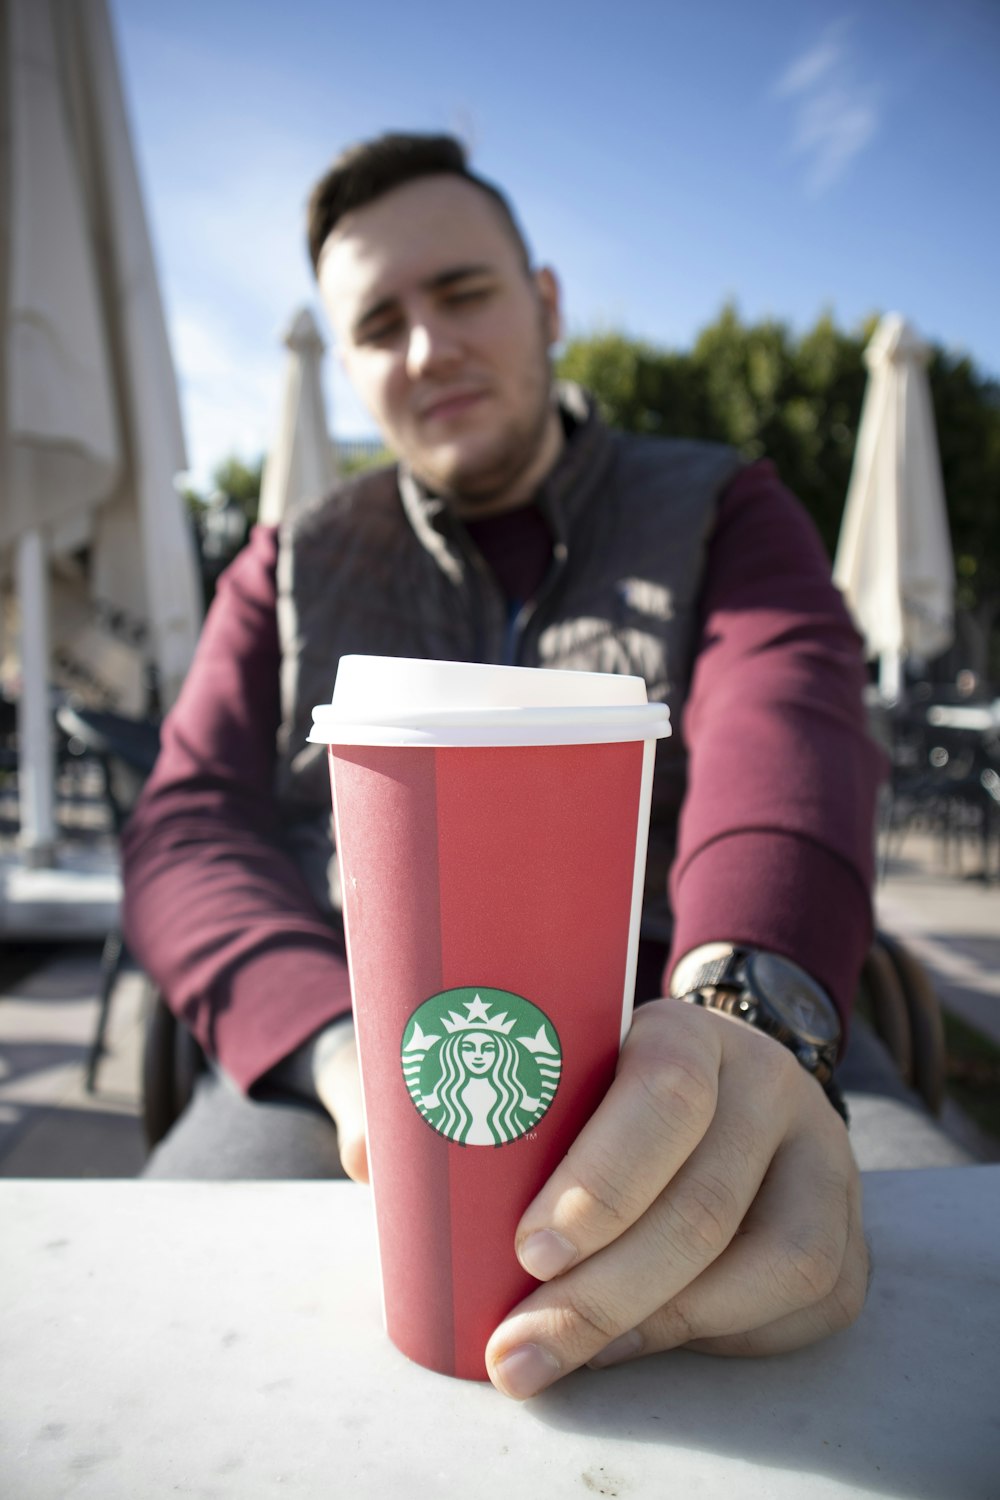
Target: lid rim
[{"x": 472, "y": 729}]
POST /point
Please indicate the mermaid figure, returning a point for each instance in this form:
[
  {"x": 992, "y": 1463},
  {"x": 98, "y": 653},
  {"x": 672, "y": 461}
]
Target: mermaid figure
[{"x": 479, "y": 1097}]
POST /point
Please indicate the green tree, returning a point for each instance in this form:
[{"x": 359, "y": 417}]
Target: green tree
[
  {"x": 967, "y": 413},
  {"x": 361, "y": 458},
  {"x": 241, "y": 481},
  {"x": 232, "y": 476}
]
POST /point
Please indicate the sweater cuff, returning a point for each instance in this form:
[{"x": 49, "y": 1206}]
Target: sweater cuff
[
  {"x": 273, "y": 1006},
  {"x": 782, "y": 893},
  {"x": 296, "y": 1074}
]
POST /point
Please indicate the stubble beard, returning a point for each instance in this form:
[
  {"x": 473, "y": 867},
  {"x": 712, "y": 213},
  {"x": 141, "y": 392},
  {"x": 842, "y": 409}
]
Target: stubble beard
[
  {"x": 486, "y": 479},
  {"x": 493, "y": 475}
]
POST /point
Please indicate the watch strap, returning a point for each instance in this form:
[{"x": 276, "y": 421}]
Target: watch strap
[
  {"x": 722, "y": 972},
  {"x": 726, "y": 973}
]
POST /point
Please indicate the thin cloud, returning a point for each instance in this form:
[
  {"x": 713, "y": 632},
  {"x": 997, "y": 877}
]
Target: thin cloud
[
  {"x": 807, "y": 71},
  {"x": 836, "y": 113}
]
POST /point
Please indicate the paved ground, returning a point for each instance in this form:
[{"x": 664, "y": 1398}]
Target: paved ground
[
  {"x": 50, "y": 1126},
  {"x": 951, "y": 920}
]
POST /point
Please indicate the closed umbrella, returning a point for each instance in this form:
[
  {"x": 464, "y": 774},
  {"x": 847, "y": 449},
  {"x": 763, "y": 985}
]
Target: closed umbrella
[
  {"x": 91, "y": 436},
  {"x": 301, "y": 465},
  {"x": 894, "y": 560}
]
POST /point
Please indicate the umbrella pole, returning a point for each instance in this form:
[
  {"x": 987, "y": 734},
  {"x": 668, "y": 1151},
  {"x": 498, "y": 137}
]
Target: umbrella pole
[
  {"x": 890, "y": 676},
  {"x": 36, "y": 775}
]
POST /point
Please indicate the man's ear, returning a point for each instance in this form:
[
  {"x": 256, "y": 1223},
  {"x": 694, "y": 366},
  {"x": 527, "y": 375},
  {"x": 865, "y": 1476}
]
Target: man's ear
[{"x": 550, "y": 297}]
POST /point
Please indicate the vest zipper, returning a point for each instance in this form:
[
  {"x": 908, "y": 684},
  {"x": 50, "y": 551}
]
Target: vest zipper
[
  {"x": 492, "y": 643},
  {"x": 527, "y": 612},
  {"x": 509, "y": 639}
]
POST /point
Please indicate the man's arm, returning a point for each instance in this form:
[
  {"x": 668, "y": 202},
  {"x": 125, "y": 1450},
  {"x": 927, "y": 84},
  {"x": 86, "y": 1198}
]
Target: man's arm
[
  {"x": 215, "y": 908},
  {"x": 713, "y": 1200},
  {"x": 775, "y": 846}
]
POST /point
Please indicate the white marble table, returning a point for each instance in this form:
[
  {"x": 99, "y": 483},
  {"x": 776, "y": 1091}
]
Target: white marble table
[{"x": 217, "y": 1340}]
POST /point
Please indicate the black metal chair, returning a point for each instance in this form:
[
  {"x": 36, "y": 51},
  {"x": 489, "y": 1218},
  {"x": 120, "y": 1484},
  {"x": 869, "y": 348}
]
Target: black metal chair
[
  {"x": 948, "y": 780},
  {"x": 967, "y": 767},
  {"x": 171, "y": 1063},
  {"x": 896, "y": 995},
  {"x": 125, "y": 750},
  {"x": 8, "y": 746}
]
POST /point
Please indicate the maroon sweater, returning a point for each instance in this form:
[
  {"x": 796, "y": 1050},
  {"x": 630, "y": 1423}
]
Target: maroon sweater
[{"x": 775, "y": 838}]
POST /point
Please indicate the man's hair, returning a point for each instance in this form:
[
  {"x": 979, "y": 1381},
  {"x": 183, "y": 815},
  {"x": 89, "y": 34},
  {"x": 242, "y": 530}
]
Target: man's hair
[{"x": 365, "y": 171}]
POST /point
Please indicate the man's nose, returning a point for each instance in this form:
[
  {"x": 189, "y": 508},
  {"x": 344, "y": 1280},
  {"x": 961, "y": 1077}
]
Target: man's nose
[{"x": 429, "y": 349}]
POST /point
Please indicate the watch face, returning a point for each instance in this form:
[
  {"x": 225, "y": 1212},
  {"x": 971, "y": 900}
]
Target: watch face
[{"x": 793, "y": 998}]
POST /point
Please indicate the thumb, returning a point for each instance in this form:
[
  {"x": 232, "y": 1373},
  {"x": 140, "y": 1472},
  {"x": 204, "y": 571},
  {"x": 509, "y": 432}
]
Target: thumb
[{"x": 338, "y": 1083}]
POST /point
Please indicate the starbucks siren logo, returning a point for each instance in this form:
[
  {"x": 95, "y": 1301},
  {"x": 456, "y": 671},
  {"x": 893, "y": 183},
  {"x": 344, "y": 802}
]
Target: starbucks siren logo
[{"x": 482, "y": 1066}]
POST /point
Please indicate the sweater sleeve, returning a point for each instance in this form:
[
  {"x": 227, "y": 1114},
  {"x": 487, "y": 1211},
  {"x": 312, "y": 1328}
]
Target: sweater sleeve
[
  {"x": 775, "y": 842},
  {"x": 214, "y": 906}
]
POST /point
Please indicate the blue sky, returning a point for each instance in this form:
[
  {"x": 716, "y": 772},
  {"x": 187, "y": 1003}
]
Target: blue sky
[{"x": 796, "y": 156}]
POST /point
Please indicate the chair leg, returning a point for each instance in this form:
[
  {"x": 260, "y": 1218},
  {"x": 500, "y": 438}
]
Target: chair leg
[
  {"x": 883, "y": 833},
  {"x": 985, "y": 827},
  {"x": 881, "y": 989},
  {"x": 930, "y": 1059},
  {"x": 111, "y": 962},
  {"x": 159, "y": 1088}
]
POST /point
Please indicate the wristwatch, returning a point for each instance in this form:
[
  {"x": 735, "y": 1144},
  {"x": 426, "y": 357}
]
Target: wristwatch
[{"x": 777, "y": 997}]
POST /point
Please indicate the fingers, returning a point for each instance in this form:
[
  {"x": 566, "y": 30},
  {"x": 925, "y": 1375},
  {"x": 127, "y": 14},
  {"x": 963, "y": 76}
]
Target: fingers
[
  {"x": 659, "y": 1107},
  {"x": 796, "y": 1272},
  {"x": 835, "y": 1312},
  {"x": 688, "y": 1225},
  {"x": 608, "y": 1299},
  {"x": 338, "y": 1083}
]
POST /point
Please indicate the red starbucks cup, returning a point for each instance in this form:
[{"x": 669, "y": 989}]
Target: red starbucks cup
[{"x": 491, "y": 824}]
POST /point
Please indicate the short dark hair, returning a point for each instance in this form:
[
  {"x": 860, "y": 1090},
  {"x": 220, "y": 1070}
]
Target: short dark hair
[{"x": 365, "y": 171}]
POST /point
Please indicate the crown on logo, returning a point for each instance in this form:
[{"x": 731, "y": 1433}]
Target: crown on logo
[{"x": 478, "y": 1019}]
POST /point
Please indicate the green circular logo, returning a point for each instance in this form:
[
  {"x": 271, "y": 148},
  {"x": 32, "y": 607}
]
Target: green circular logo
[{"x": 481, "y": 1065}]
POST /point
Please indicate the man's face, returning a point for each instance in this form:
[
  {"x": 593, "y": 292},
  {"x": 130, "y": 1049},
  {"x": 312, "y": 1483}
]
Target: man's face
[{"x": 445, "y": 335}]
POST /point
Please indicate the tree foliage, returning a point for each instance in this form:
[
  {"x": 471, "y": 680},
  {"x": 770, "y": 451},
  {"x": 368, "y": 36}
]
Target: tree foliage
[
  {"x": 967, "y": 412},
  {"x": 797, "y": 399},
  {"x": 241, "y": 482},
  {"x": 361, "y": 457},
  {"x": 222, "y": 516},
  {"x": 235, "y": 478}
]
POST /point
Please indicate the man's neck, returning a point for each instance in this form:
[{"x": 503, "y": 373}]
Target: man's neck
[{"x": 524, "y": 487}]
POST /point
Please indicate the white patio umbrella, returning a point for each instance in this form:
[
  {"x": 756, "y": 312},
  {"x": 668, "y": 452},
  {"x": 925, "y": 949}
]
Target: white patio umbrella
[
  {"x": 91, "y": 434},
  {"x": 301, "y": 465},
  {"x": 894, "y": 560}
]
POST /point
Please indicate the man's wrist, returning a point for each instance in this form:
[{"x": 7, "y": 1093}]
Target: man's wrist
[
  {"x": 772, "y": 994},
  {"x": 300, "y": 1071},
  {"x": 329, "y": 1042}
]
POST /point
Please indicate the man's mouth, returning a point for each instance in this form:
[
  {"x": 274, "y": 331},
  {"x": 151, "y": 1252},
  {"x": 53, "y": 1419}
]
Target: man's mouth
[{"x": 453, "y": 404}]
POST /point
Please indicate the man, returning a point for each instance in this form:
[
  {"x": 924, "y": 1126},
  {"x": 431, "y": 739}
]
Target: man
[{"x": 713, "y": 1200}]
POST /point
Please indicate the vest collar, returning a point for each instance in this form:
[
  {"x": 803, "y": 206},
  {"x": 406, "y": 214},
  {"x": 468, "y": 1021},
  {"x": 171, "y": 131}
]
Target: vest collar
[{"x": 566, "y": 492}]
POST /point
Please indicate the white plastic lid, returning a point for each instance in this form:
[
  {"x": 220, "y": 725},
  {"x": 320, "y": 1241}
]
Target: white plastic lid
[{"x": 382, "y": 700}]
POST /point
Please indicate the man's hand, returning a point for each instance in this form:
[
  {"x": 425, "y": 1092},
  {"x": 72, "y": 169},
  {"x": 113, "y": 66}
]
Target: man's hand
[{"x": 712, "y": 1201}]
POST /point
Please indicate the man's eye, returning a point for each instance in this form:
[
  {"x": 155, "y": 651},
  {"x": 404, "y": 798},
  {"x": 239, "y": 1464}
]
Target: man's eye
[
  {"x": 468, "y": 294},
  {"x": 380, "y": 332}
]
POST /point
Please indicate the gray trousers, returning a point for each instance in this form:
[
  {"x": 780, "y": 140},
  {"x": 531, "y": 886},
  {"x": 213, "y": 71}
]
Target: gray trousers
[{"x": 224, "y": 1135}]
